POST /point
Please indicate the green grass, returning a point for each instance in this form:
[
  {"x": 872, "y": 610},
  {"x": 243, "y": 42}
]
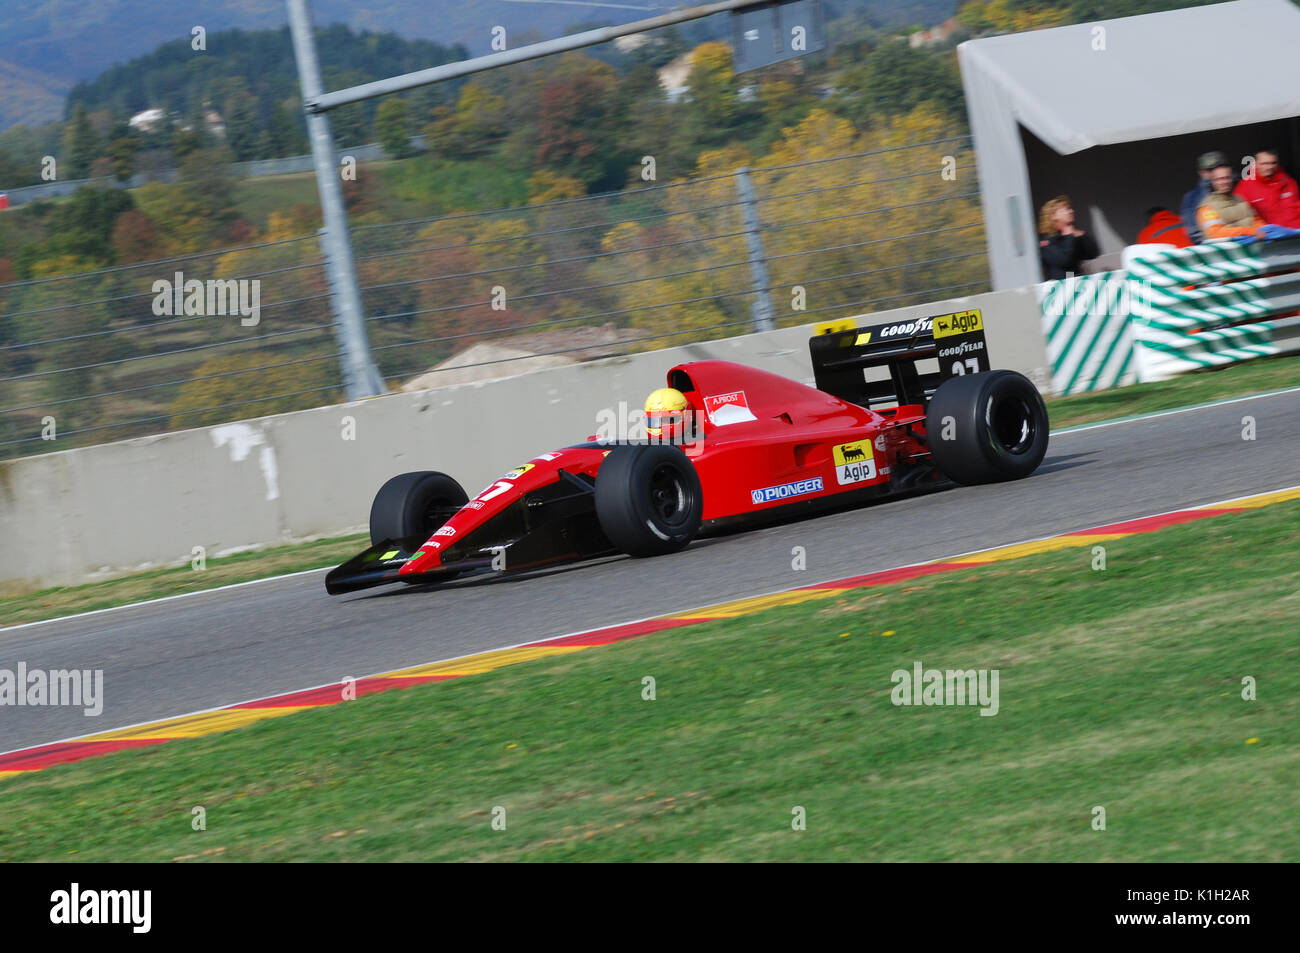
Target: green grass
[
  {"x": 398, "y": 189},
  {"x": 137, "y": 587},
  {"x": 1119, "y": 689},
  {"x": 426, "y": 186},
  {"x": 257, "y": 198},
  {"x": 1232, "y": 381}
]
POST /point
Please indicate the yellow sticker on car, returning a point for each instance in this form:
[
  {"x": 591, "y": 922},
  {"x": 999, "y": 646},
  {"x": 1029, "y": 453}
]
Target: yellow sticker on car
[
  {"x": 959, "y": 322},
  {"x": 854, "y": 462},
  {"x": 517, "y": 472}
]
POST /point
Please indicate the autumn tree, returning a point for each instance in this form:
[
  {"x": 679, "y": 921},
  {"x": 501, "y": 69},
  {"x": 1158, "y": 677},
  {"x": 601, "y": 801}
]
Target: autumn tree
[
  {"x": 199, "y": 210},
  {"x": 1018, "y": 16},
  {"x": 284, "y": 133},
  {"x": 136, "y": 238},
  {"x": 81, "y": 145},
  {"x": 249, "y": 384},
  {"x": 392, "y": 128},
  {"x": 714, "y": 90},
  {"x": 122, "y": 153},
  {"x": 874, "y": 231},
  {"x": 576, "y": 125},
  {"x": 243, "y": 130},
  {"x": 82, "y": 226},
  {"x": 547, "y": 186},
  {"x": 470, "y": 128},
  {"x": 895, "y": 80},
  {"x": 64, "y": 324}
]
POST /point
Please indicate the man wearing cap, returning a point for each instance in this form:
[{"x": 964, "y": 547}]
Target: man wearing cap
[
  {"x": 1193, "y": 199},
  {"x": 1224, "y": 214}
]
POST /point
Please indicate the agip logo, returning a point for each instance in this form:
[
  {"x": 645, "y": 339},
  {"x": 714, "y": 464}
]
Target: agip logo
[
  {"x": 854, "y": 462},
  {"x": 959, "y": 322}
]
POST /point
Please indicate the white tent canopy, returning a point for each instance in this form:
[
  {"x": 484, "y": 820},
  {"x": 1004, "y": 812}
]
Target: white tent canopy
[{"x": 1131, "y": 80}]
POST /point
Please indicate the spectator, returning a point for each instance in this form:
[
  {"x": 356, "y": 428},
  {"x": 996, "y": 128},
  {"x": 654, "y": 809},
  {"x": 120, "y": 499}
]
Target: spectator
[
  {"x": 1193, "y": 199},
  {"x": 1062, "y": 247},
  {"x": 1163, "y": 228},
  {"x": 1223, "y": 215},
  {"x": 1272, "y": 192}
]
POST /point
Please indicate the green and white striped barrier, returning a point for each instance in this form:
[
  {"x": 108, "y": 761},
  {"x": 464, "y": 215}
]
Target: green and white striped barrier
[
  {"x": 1088, "y": 332},
  {"x": 1218, "y": 261},
  {"x": 1171, "y": 312}
]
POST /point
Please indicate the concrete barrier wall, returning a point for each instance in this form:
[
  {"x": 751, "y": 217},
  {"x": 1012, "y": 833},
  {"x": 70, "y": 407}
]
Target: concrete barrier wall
[{"x": 72, "y": 515}]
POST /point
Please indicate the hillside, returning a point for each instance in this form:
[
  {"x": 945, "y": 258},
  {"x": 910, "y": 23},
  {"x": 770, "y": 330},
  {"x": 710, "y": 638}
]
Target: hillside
[
  {"x": 28, "y": 96},
  {"x": 54, "y": 43}
]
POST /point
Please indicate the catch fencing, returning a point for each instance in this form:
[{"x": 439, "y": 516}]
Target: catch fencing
[{"x": 139, "y": 348}]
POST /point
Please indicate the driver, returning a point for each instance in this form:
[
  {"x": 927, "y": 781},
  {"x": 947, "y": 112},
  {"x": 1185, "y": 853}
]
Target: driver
[{"x": 666, "y": 413}]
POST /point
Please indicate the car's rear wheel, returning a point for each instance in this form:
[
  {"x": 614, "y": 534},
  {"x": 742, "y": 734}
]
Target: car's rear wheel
[
  {"x": 987, "y": 427},
  {"x": 648, "y": 499},
  {"x": 412, "y": 506}
]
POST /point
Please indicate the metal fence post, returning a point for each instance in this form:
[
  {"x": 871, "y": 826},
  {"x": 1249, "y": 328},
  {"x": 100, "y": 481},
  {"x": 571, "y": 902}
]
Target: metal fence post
[
  {"x": 360, "y": 376},
  {"x": 762, "y": 306}
]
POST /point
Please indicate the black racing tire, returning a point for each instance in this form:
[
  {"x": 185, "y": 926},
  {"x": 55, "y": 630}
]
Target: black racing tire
[
  {"x": 648, "y": 499},
  {"x": 987, "y": 427},
  {"x": 414, "y": 505}
]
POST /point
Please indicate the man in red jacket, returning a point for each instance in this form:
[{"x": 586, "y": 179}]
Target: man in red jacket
[{"x": 1272, "y": 192}]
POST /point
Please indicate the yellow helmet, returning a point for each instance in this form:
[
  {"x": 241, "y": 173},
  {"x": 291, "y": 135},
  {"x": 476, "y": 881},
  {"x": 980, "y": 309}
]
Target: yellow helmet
[{"x": 665, "y": 409}]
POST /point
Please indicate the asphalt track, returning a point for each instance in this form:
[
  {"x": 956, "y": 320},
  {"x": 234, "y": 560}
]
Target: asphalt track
[{"x": 216, "y": 648}]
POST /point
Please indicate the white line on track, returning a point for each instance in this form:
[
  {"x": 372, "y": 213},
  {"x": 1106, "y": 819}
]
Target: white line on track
[
  {"x": 252, "y": 582},
  {"x": 555, "y": 638},
  {"x": 1168, "y": 413},
  {"x": 149, "y": 602}
]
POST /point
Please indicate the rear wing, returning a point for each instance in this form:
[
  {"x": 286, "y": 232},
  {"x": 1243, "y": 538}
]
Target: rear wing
[{"x": 842, "y": 354}]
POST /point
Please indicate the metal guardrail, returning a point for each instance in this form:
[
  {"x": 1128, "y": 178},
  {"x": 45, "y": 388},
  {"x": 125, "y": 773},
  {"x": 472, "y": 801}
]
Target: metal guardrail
[
  {"x": 1285, "y": 335},
  {"x": 253, "y": 169},
  {"x": 1211, "y": 304}
]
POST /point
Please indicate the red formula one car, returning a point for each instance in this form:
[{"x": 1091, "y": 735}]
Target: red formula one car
[{"x": 753, "y": 447}]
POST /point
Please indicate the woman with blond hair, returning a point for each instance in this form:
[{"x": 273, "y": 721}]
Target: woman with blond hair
[{"x": 1061, "y": 246}]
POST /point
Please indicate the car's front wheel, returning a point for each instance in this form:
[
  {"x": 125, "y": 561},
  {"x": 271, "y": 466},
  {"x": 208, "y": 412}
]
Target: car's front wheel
[
  {"x": 648, "y": 499},
  {"x": 411, "y": 506}
]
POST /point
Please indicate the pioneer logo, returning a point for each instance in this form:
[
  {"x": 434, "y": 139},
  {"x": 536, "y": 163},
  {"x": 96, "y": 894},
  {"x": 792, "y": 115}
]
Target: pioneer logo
[{"x": 785, "y": 490}]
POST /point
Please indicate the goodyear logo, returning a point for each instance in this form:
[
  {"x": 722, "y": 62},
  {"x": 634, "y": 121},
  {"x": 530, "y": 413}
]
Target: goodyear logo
[
  {"x": 905, "y": 329},
  {"x": 959, "y": 322},
  {"x": 785, "y": 490}
]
